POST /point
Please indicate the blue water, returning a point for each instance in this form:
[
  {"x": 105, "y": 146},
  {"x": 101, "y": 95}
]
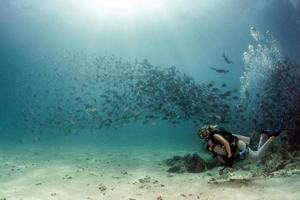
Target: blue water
[
  {"x": 41, "y": 43},
  {"x": 98, "y": 93}
]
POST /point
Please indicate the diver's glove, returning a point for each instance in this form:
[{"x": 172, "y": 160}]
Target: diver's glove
[{"x": 229, "y": 161}]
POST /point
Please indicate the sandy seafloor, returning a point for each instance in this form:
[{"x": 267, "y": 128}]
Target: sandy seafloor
[{"x": 86, "y": 173}]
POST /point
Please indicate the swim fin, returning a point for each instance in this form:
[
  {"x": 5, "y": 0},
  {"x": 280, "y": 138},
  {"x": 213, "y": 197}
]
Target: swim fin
[{"x": 273, "y": 132}]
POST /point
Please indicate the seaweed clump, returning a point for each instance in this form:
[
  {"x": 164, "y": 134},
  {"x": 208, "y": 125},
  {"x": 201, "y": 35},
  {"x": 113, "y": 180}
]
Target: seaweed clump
[{"x": 190, "y": 163}]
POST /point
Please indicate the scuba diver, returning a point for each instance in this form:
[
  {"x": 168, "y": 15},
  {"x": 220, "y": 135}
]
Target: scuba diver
[{"x": 228, "y": 147}]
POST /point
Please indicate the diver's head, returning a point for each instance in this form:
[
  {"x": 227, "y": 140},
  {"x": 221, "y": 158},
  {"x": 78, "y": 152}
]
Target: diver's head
[{"x": 204, "y": 131}]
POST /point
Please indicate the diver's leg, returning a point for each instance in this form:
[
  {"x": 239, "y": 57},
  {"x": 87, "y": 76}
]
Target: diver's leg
[
  {"x": 256, "y": 155},
  {"x": 252, "y": 155},
  {"x": 261, "y": 139}
]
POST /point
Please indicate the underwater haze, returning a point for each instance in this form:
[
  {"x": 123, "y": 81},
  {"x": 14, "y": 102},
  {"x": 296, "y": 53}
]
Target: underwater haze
[{"x": 122, "y": 85}]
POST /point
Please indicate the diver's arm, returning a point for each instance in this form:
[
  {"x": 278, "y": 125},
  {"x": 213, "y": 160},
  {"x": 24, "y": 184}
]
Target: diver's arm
[{"x": 225, "y": 143}]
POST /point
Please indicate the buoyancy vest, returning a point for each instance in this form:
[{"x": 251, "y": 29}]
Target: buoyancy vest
[{"x": 229, "y": 137}]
